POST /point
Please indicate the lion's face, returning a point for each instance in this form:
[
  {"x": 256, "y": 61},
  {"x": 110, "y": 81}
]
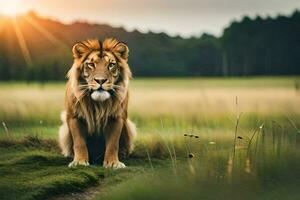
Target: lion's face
[
  {"x": 102, "y": 67},
  {"x": 101, "y": 73}
]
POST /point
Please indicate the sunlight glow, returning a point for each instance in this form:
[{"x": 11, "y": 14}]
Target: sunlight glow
[
  {"x": 11, "y": 7},
  {"x": 22, "y": 43},
  {"x": 54, "y": 40}
]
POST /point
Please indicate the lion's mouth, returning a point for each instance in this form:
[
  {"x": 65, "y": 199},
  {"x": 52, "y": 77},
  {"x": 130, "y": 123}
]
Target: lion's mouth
[
  {"x": 100, "y": 89},
  {"x": 100, "y": 94}
]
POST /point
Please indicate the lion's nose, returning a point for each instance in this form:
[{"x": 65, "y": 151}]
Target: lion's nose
[{"x": 100, "y": 81}]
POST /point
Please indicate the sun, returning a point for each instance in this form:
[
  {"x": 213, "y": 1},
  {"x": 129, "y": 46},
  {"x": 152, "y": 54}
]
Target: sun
[{"x": 11, "y": 7}]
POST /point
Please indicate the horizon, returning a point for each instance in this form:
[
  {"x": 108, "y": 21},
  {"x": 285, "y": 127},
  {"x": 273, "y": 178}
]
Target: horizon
[{"x": 172, "y": 18}]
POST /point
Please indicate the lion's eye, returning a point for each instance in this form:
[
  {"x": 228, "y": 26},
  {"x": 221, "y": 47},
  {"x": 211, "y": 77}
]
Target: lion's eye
[
  {"x": 111, "y": 66},
  {"x": 91, "y": 65}
]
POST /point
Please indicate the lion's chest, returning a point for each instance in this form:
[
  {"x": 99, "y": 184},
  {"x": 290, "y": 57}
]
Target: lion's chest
[{"x": 96, "y": 116}]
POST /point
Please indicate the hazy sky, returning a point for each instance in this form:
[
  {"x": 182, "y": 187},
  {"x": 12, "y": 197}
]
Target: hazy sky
[{"x": 186, "y": 17}]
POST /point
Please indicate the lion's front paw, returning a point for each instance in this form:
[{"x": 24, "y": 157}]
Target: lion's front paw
[
  {"x": 114, "y": 164},
  {"x": 76, "y": 162}
]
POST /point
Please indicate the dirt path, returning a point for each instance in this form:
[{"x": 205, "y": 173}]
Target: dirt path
[{"x": 87, "y": 194}]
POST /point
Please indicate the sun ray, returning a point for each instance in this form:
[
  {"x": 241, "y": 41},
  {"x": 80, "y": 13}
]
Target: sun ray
[
  {"x": 54, "y": 40},
  {"x": 22, "y": 42},
  {"x": 2, "y": 25}
]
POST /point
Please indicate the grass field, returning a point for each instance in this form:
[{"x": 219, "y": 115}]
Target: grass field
[{"x": 245, "y": 143}]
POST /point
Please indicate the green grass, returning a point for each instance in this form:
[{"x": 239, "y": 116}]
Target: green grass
[
  {"x": 266, "y": 168},
  {"x": 34, "y": 173},
  {"x": 31, "y": 166}
]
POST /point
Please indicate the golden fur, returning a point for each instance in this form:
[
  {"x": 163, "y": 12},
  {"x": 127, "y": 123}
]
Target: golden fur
[{"x": 96, "y": 102}]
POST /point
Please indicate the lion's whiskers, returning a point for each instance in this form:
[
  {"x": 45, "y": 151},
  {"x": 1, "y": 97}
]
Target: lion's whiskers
[
  {"x": 86, "y": 85},
  {"x": 118, "y": 87},
  {"x": 82, "y": 86}
]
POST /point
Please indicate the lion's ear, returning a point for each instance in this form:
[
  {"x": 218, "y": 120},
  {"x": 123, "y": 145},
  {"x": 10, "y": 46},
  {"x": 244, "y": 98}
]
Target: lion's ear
[
  {"x": 79, "y": 49},
  {"x": 122, "y": 50}
]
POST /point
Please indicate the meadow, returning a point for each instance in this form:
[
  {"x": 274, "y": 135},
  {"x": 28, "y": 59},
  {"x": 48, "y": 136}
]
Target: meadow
[{"x": 209, "y": 138}]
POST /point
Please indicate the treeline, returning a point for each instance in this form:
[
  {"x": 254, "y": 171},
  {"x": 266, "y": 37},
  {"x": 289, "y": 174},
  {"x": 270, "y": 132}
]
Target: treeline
[{"x": 257, "y": 46}]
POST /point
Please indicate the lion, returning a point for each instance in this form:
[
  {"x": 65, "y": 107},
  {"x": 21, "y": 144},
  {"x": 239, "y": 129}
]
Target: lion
[{"x": 95, "y": 120}]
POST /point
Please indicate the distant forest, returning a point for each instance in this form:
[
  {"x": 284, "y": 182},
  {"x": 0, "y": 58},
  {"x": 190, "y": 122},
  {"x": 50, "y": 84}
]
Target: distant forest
[{"x": 37, "y": 48}]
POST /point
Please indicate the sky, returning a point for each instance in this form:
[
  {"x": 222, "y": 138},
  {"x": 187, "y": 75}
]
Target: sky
[{"x": 186, "y": 17}]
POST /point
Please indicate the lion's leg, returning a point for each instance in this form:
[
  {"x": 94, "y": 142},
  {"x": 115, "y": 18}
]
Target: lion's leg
[
  {"x": 112, "y": 135},
  {"x": 79, "y": 146},
  {"x": 126, "y": 141},
  {"x": 65, "y": 138}
]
